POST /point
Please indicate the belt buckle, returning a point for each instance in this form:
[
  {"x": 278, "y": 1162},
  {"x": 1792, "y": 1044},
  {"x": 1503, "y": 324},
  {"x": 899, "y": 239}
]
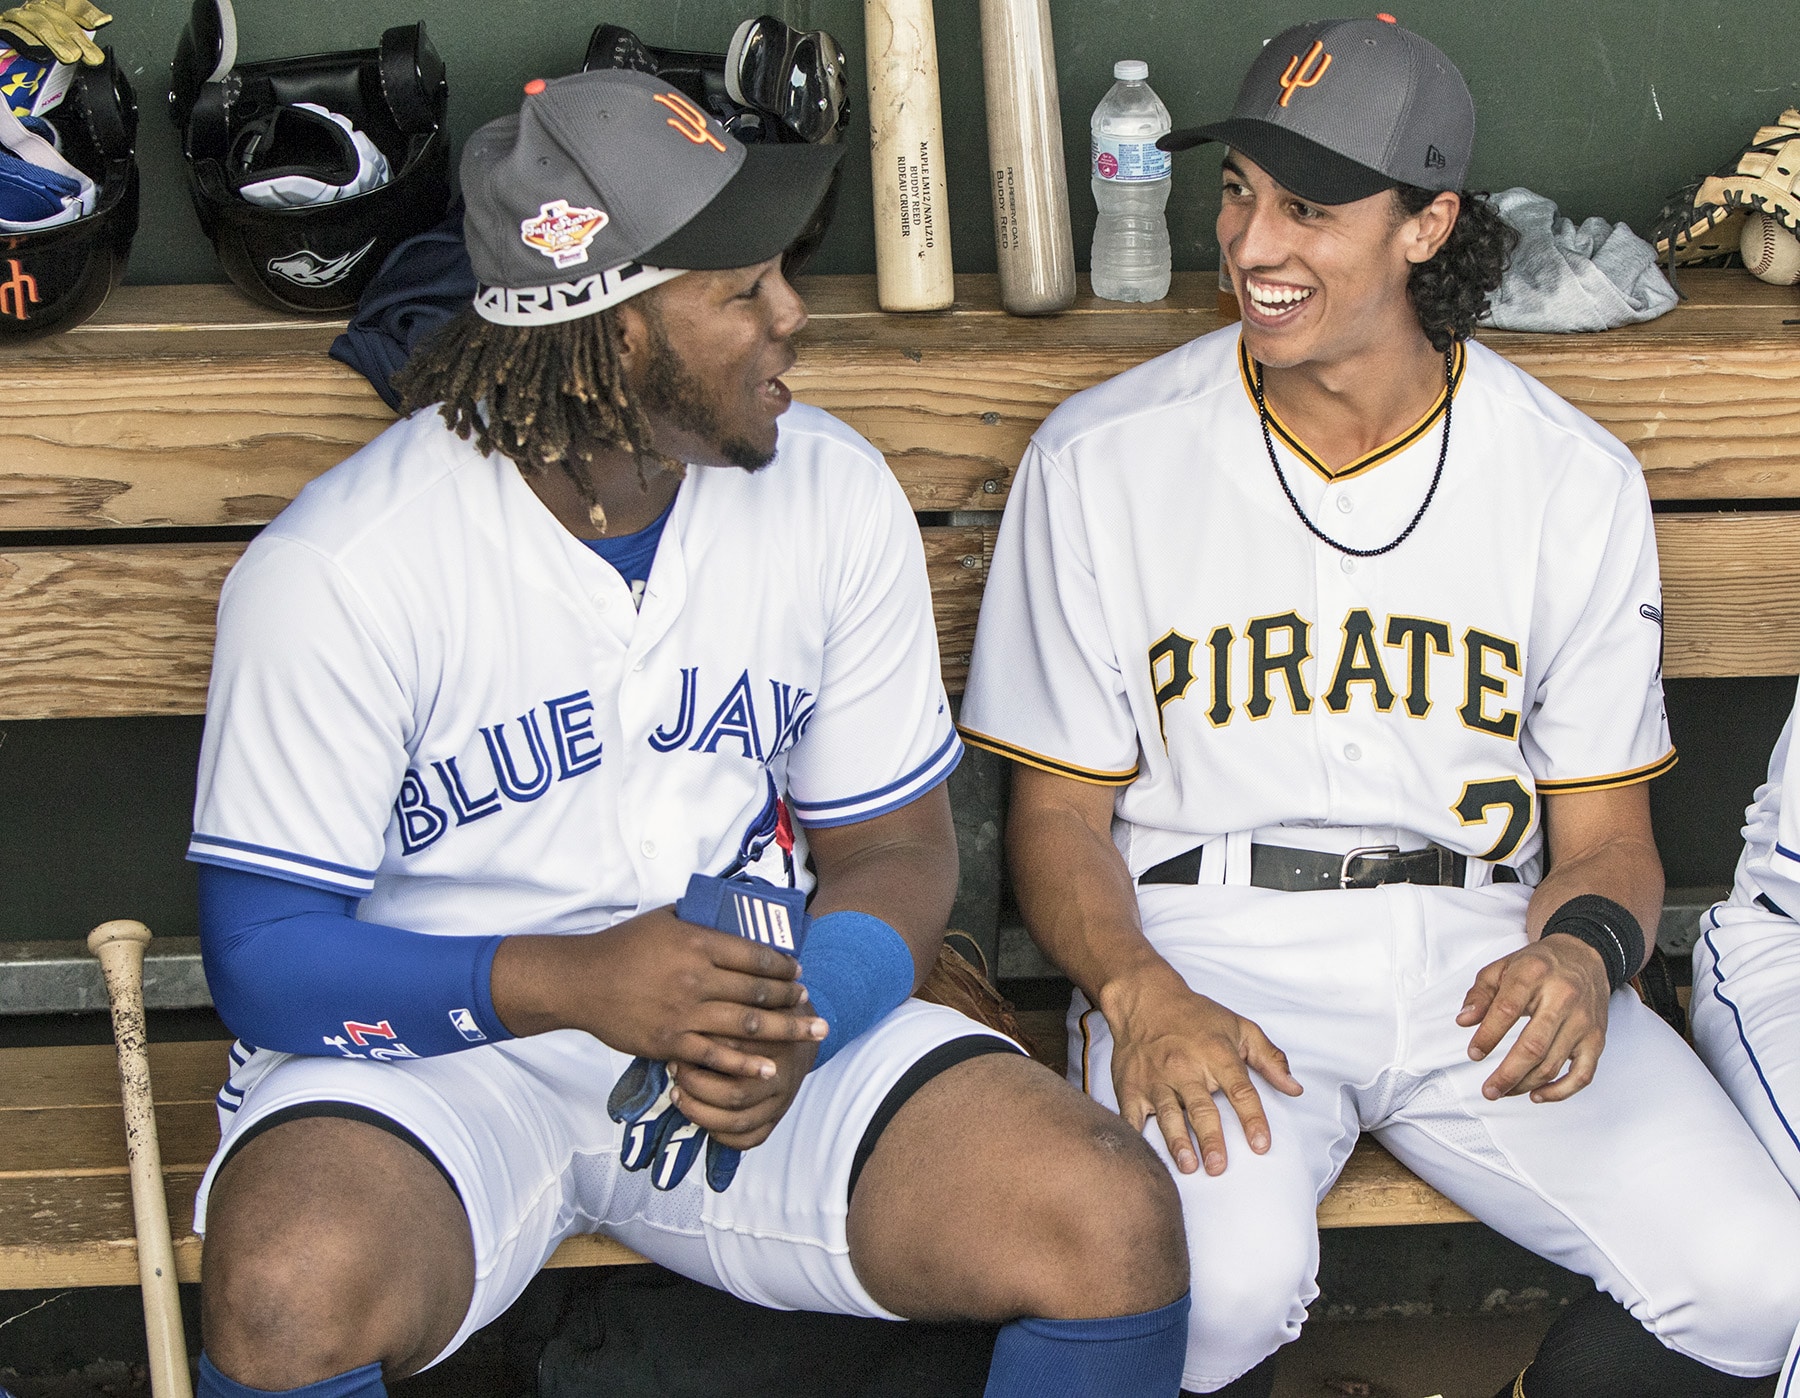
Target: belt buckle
[{"x": 1345, "y": 878}]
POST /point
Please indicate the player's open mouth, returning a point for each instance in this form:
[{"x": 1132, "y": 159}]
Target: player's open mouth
[
  {"x": 1272, "y": 302},
  {"x": 775, "y": 394}
]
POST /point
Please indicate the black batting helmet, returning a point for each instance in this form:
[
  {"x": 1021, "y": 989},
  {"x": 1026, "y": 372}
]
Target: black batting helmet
[
  {"x": 53, "y": 278},
  {"x": 307, "y": 172}
]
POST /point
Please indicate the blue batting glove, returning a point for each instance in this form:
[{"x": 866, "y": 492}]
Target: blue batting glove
[{"x": 657, "y": 1135}]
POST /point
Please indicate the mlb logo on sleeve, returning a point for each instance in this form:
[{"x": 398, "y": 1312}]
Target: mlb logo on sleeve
[{"x": 464, "y": 1020}]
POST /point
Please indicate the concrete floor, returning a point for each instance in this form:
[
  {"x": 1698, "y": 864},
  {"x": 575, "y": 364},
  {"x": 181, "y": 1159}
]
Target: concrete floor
[{"x": 1455, "y": 1357}]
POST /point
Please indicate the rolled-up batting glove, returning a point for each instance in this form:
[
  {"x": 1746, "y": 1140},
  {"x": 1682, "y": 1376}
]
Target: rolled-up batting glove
[{"x": 656, "y": 1132}]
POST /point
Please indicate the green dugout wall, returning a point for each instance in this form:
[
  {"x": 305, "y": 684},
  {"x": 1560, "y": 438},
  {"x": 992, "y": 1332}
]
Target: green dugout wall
[{"x": 1605, "y": 106}]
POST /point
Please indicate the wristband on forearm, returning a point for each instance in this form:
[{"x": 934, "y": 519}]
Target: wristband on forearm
[
  {"x": 1606, "y": 927},
  {"x": 856, "y": 969}
]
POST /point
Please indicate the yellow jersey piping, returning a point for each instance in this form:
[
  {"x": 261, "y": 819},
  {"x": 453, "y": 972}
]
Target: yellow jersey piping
[
  {"x": 1092, "y": 776},
  {"x": 1645, "y": 773},
  {"x": 1369, "y": 460}
]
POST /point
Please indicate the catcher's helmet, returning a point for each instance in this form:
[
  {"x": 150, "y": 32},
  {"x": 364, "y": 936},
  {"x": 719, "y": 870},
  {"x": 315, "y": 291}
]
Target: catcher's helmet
[
  {"x": 307, "y": 172},
  {"x": 53, "y": 278}
]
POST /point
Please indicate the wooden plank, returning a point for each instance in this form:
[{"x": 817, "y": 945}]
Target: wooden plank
[
  {"x": 64, "y": 1140},
  {"x": 191, "y": 406},
  {"x": 127, "y": 629},
  {"x": 87, "y": 1075},
  {"x": 79, "y": 1232},
  {"x": 1729, "y": 588},
  {"x": 105, "y": 632},
  {"x": 1377, "y": 1191}
]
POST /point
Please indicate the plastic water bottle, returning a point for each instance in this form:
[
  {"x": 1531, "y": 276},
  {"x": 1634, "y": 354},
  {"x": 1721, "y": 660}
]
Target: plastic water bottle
[{"x": 1130, "y": 261}]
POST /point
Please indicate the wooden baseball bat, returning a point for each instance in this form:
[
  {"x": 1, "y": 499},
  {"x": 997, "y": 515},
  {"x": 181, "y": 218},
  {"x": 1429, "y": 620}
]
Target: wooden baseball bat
[
  {"x": 1026, "y": 169},
  {"x": 120, "y": 947},
  {"x": 906, "y": 140}
]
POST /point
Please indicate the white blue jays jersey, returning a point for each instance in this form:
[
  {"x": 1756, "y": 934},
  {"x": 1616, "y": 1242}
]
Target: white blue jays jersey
[
  {"x": 429, "y": 695},
  {"x": 1769, "y": 867},
  {"x": 1158, "y": 618}
]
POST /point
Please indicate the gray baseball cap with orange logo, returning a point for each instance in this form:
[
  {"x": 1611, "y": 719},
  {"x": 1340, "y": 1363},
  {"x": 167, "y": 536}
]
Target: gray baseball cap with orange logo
[
  {"x": 611, "y": 182},
  {"x": 1339, "y": 109}
]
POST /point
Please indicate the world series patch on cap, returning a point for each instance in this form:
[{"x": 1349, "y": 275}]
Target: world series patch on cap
[
  {"x": 1339, "y": 109},
  {"x": 611, "y": 182}
]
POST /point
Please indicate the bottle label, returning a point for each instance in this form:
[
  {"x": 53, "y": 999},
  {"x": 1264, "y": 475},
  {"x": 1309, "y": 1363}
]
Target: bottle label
[{"x": 1129, "y": 162}]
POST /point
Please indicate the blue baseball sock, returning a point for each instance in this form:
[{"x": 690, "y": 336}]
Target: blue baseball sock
[
  {"x": 1137, "y": 1354},
  {"x": 358, "y": 1383}
]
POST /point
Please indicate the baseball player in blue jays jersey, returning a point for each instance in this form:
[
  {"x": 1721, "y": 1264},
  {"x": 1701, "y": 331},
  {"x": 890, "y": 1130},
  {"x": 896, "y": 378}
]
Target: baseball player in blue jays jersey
[
  {"x": 594, "y": 619},
  {"x": 1327, "y": 651},
  {"x": 1746, "y": 1003}
]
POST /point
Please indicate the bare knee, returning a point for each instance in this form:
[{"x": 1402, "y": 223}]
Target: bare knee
[
  {"x": 305, "y": 1276},
  {"x": 1114, "y": 1226}
]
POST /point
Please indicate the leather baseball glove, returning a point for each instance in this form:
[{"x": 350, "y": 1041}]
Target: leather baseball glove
[
  {"x": 1703, "y": 221},
  {"x": 961, "y": 984}
]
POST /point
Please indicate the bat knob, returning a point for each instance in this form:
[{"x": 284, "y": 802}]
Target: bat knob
[{"x": 120, "y": 930}]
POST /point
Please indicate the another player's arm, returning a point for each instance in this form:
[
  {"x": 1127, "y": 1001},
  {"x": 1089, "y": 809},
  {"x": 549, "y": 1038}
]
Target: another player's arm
[
  {"x": 1173, "y": 1048},
  {"x": 1600, "y": 842},
  {"x": 901, "y": 868}
]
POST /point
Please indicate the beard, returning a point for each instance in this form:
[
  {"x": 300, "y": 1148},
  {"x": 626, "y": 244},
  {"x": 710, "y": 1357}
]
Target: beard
[{"x": 666, "y": 389}]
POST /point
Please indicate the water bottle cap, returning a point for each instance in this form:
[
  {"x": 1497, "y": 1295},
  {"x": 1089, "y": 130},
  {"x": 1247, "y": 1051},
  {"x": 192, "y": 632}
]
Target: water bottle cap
[{"x": 1131, "y": 70}]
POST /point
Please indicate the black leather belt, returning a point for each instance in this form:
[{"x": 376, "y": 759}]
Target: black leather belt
[{"x": 1308, "y": 870}]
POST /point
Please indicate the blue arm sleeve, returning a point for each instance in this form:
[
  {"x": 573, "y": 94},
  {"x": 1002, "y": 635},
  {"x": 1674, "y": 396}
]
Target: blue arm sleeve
[
  {"x": 291, "y": 968},
  {"x": 855, "y": 969}
]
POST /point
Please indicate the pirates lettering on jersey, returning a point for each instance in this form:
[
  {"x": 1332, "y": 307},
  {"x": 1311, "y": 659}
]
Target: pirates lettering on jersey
[
  {"x": 519, "y": 759},
  {"x": 734, "y": 726},
  {"x": 1388, "y": 661}
]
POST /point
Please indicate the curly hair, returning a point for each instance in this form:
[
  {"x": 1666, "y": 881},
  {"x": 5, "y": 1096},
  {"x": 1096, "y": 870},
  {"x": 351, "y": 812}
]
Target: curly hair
[
  {"x": 1450, "y": 292},
  {"x": 550, "y": 397}
]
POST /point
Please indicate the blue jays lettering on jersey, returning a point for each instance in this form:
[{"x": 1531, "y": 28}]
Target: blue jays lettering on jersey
[{"x": 444, "y": 676}]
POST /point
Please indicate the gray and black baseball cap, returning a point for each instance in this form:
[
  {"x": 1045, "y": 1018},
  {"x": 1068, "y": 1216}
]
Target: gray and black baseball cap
[
  {"x": 1339, "y": 109},
  {"x": 611, "y": 182}
]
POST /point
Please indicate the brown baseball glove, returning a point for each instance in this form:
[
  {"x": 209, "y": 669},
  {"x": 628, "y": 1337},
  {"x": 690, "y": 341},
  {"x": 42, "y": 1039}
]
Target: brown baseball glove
[
  {"x": 1702, "y": 222},
  {"x": 962, "y": 984}
]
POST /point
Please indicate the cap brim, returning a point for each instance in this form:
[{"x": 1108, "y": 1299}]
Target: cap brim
[
  {"x": 1317, "y": 175},
  {"x": 760, "y": 211}
]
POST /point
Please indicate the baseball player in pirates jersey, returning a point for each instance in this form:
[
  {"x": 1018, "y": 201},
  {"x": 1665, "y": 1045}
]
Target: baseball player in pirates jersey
[
  {"x": 1327, "y": 652},
  {"x": 594, "y": 619}
]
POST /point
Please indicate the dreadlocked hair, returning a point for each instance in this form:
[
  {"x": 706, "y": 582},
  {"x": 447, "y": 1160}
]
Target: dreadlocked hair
[
  {"x": 550, "y": 397},
  {"x": 1450, "y": 292}
]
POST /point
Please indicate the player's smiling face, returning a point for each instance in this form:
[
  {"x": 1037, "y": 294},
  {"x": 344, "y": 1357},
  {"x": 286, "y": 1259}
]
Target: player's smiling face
[
  {"x": 1320, "y": 283},
  {"x": 706, "y": 355}
]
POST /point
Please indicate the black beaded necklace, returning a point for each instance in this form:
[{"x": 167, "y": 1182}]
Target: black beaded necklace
[{"x": 1262, "y": 413}]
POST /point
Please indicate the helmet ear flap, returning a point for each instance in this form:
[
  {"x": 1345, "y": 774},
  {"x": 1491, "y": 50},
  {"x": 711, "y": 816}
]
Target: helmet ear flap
[
  {"x": 412, "y": 79},
  {"x": 109, "y": 107},
  {"x": 206, "y": 52}
]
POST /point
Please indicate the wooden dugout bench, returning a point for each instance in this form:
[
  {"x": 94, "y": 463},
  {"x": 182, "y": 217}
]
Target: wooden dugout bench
[{"x": 189, "y": 412}]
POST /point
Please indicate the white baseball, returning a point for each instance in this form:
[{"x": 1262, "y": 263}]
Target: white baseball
[{"x": 1770, "y": 251}]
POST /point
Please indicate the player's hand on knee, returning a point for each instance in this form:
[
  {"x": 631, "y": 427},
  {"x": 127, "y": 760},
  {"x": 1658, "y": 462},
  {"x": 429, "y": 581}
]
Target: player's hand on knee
[
  {"x": 1559, "y": 986},
  {"x": 1173, "y": 1050},
  {"x": 737, "y": 1111}
]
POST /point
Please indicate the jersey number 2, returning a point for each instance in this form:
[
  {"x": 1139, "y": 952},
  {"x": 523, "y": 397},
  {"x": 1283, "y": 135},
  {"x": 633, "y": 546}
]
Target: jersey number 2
[{"x": 1478, "y": 798}]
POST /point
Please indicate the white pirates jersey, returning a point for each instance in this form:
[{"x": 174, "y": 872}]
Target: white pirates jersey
[
  {"x": 1769, "y": 867},
  {"x": 429, "y": 695},
  {"x": 1158, "y": 618}
]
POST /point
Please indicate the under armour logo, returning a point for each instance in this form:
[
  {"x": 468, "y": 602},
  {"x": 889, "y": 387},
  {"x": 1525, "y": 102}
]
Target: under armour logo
[
  {"x": 689, "y": 120},
  {"x": 17, "y": 292},
  {"x": 1434, "y": 158},
  {"x": 1301, "y": 72}
]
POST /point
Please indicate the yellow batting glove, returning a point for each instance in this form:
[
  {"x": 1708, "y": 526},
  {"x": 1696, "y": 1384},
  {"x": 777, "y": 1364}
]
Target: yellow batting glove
[{"x": 62, "y": 26}]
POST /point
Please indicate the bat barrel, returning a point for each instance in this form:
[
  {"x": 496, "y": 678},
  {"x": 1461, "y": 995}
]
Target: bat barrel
[
  {"x": 1028, "y": 174},
  {"x": 906, "y": 147},
  {"x": 120, "y": 948}
]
